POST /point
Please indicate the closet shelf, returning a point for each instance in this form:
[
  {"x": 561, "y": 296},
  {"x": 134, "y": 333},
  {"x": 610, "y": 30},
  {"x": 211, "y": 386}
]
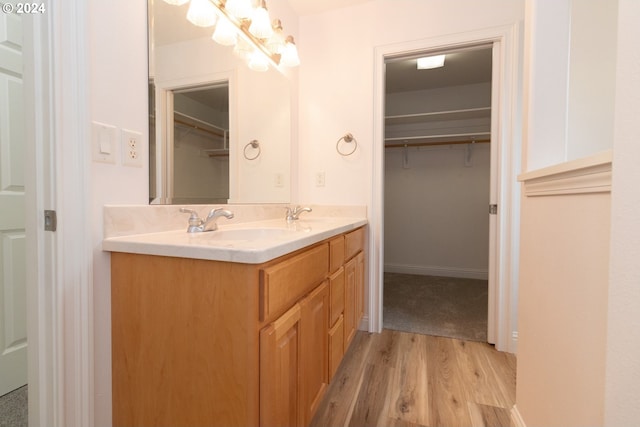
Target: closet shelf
[
  {"x": 463, "y": 114},
  {"x": 216, "y": 152},
  {"x": 201, "y": 125},
  {"x": 444, "y": 139}
]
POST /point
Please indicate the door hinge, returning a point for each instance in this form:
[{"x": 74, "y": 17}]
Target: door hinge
[
  {"x": 50, "y": 220},
  {"x": 493, "y": 209}
]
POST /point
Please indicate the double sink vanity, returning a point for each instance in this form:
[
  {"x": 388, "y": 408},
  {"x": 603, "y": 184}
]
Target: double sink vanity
[{"x": 241, "y": 326}]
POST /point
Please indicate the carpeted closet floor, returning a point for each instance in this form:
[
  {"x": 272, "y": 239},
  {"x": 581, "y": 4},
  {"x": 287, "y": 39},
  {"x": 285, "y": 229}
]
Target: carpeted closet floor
[
  {"x": 440, "y": 306},
  {"x": 13, "y": 408}
]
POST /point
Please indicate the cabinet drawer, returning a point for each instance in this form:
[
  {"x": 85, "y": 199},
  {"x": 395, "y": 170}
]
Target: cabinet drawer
[
  {"x": 353, "y": 242},
  {"x": 336, "y": 295},
  {"x": 336, "y": 346},
  {"x": 336, "y": 253},
  {"x": 282, "y": 284}
]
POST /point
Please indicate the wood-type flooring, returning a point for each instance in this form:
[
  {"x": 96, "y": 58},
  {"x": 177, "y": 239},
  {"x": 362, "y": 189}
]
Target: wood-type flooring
[{"x": 400, "y": 379}]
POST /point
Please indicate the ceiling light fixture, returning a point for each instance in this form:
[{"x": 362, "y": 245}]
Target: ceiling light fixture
[
  {"x": 429, "y": 62},
  {"x": 240, "y": 23}
]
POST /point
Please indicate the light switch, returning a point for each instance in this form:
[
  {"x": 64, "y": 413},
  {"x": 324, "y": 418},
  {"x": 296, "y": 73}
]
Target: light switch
[
  {"x": 104, "y": 139},
  {"x": 105, "y": 146}
]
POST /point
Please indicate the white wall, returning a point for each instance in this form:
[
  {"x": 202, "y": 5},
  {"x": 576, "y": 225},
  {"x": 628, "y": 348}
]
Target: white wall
[
  {"x": 623, "y": 321},
  {"x": 337, "y": 75},
  {"x": 436, "y": 211},
  {"x": 118, "y": 81},
  {"x": 570, "y": 105},
  {"x": 562, "y": 311}
]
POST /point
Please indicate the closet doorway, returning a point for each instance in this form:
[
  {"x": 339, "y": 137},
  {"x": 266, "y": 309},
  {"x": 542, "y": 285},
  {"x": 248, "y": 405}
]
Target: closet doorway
[{"x": 437, "y": 188}]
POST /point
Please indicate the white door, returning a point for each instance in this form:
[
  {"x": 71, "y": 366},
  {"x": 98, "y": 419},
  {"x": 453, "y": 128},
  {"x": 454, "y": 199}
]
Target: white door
[{"x": 13, "y": 309}]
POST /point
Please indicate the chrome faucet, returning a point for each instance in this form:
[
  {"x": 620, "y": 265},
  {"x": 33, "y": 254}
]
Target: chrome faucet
[
  {"x": 293, "y": 214},
  {"x": 198, "y": 225}
]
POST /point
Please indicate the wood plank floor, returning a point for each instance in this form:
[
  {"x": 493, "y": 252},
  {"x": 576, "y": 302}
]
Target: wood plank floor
[{"x": 400, "y": 379}]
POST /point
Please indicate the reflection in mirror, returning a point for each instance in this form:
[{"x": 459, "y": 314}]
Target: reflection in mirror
[
  {"x": 198, "y": 159},
  {"x": 184, "y": 66},
  {"x": 200, "y": 154}
]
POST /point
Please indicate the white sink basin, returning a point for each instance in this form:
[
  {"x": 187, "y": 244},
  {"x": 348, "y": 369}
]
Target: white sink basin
[{"x": 248, "y": 234}]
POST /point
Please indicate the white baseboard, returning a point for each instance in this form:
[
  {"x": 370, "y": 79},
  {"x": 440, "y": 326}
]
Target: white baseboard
[
  {"x": 364, "y": 323},
  {"x": 514, "y": 342},
  {"x": 516, "y": 418},
  {"x": 423, "y": 270}
]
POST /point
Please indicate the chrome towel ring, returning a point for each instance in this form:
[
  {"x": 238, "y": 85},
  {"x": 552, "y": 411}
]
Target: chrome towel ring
[
  {"x": 254, "y": 145},
  {"x": 348, "y": 139}
]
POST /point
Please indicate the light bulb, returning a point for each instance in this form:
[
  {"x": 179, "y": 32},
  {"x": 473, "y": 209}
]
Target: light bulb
[
  {"x": 241, "y": 9},
  {"x": 243, "y": 49},
  {"x": 176, "y": 2},
  {"x": 290, "y": 54},
  {"x": 225, "y": 33},
  {"x": 260, "y": 23},
  {"x": 202, "y": 13},
  {"x": 258, "y": 62},
  {"x": 275, "y": 44},
  {"x": 429, "y": 62}
]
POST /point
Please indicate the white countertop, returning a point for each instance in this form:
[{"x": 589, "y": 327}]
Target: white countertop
[{"x": 280, "y": 239}]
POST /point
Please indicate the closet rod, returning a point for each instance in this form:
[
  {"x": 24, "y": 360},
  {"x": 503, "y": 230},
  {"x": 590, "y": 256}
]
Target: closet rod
[
  {"x": 429, "y": 144},
  {"x": 216, "y": 130}
]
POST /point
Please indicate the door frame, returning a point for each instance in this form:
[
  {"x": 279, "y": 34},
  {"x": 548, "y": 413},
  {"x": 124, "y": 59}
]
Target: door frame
[
  {"x": 506, "y": 136},
  {"x": 57, "y": 171}
]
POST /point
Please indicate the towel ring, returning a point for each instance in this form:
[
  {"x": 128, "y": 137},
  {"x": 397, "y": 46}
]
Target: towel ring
[
  {"x": 253, "y": 144},
  {"x": 348, "y": 138}
]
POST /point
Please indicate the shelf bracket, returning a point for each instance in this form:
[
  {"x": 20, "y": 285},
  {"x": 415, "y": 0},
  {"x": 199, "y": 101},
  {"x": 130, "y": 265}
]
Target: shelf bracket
[
  {"x": 468, "y": 154},
  {"x": 405, "y": 157}
]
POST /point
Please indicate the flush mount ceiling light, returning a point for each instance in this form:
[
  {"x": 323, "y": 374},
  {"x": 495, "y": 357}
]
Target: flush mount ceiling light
[
  {"x": 429, "y": 62},
  {"x": 246, "y": 26}
]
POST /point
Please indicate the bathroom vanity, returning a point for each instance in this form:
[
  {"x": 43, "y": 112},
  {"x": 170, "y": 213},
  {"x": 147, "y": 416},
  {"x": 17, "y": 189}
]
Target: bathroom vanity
[{"x": 232, "y": 342}]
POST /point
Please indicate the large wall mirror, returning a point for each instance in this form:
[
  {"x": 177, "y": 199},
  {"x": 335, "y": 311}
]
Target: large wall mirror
[{"x": 207, "y": 110}]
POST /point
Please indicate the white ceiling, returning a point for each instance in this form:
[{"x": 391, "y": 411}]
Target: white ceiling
[
  {"x": 460, "y": 68},
  {"x": 310, "y": 7}
]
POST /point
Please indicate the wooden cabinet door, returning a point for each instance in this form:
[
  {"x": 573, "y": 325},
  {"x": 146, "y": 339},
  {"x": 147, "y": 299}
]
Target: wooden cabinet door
[
  {"x": 349, "y": 301},
  {"x": 280, "y": 371},
  {"x": 336, "y": 346},
  {"x": 315, "y": 349}
]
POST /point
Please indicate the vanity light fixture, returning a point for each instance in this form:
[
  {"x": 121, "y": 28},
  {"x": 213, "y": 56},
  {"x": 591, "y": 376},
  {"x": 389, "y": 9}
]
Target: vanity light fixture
[
  {"x": 258, "y": 62},
  {"x": 260, "y": 22},
  {"x": 289, "y": 56},
  {"x": 201, "y": 13},
  {"x": 429, "y": 62},
  {"x": 241, "y": 24},
  {"x": 225, "y": 33}
]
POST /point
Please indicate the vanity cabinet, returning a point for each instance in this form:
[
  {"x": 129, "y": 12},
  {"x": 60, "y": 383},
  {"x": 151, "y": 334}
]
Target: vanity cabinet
[{"x": 200, "y": 342}]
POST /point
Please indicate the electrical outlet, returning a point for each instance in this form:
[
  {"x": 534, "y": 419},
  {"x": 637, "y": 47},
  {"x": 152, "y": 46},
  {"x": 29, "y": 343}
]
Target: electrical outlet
[
  {"x": 320, "y": 179},
  {"x": 279, "y": 180},
  {"x": 131, "y": 148}
]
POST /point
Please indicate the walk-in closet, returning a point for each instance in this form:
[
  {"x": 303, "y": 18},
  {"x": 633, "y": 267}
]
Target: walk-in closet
[{"x": 437, "y": 193}]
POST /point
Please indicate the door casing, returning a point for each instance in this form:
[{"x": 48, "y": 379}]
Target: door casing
[{"x": 505, "y": 161}]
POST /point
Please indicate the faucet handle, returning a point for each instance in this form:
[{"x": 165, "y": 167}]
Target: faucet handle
[
  {"x": 194, "y": 219},
  {"x": 291, "y": 212}
]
